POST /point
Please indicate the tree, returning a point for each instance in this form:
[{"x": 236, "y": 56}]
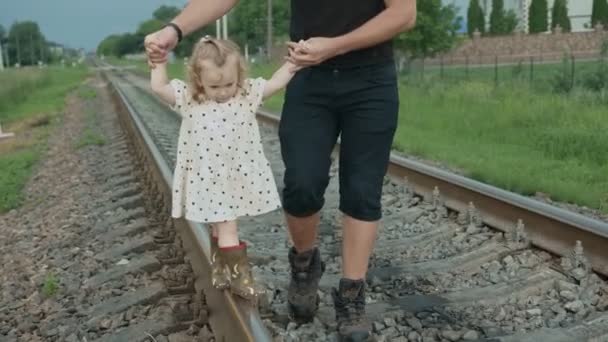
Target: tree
[
  {"x": 475, "y": 18},
  {"x": 109, "y": 46},
  {"x": 2, "y": 34},
  {"x": 129, "y": 43},
  {"x": 435, "y": 30},
  {"x": 26, "y": 44},
  {"x": 184, "y": 49},
  {"x": 149, "y": 26},
  {"x": 248, "y": 22},
  {"x": 511, "y": 21},
  {"x": 165, "y": 14},
  {"x": 537, "y": 19},
  {"x": 599, "y": 13},
  {"x": 559, "y": 15},
  {"x": 497, "y": 18}
]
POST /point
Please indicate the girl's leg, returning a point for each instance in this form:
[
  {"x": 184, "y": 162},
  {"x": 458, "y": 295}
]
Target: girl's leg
[
  {"x": 220, "y": 276},
  {"x": 227, "y": 233},
  {"x": 233, "y": 255},
  {"x": 213, "y": 230}
]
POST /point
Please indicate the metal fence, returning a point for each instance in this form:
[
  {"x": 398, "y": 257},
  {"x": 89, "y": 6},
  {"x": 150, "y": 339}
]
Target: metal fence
[{"x": 536, "y": 70}]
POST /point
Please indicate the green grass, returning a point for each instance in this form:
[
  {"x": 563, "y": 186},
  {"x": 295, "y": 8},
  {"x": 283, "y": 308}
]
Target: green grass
[
  {"x": 50, "y": 286},
  {"x": 90, "y": 136},
  {"x": 518, "y": 136},
  {"x": 15, "y": 170},
  {"x": 30, "y": 102},
  {"x": 87, "y": 93},
  {"x": 511, "y": 137}
]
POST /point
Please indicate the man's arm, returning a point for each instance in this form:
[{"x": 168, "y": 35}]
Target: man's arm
[
  {"x": 397, "y": 17},
  {"x": 199, "y": 13},
  {"x": 195, "y": 15}
]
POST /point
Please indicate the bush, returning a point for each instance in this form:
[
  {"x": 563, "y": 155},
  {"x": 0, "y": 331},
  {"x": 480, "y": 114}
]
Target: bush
[
  {"x": 563, "y": 81},
  {"x": 597, "y": 80}
]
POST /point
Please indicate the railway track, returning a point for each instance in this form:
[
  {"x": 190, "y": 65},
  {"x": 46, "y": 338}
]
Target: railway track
[{"x": 456, "y": 260}]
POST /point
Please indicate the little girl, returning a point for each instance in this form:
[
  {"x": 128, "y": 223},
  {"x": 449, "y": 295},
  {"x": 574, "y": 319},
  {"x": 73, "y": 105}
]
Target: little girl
[{"x": 221, "y": 172}]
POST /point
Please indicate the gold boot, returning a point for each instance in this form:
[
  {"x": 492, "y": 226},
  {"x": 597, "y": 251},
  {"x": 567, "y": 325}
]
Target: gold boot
[
  {"x": 241, "y": 279},
  {"x": 220, "y": 278}
]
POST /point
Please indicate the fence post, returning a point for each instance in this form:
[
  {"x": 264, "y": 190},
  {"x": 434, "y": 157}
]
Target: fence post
[
  {"x": 422, "y": 69},
  {"x": 572, "y": 72},
  {"x": 496, "y": 70},
  {"x": 467, "y": 67},
  {"x": 441, "y": 67},
  {"x": 531, "y": 69}
]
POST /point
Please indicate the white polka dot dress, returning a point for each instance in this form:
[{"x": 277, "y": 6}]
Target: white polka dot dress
[{"x": 221, "y": 172}]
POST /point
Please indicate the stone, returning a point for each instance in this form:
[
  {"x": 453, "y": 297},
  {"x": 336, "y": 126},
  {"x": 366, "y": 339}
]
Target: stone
[
  {"x": 144, "y": 264},
  {"x": 390, "y": 322},
  {"x": 567, "y": 295},
  {"x": 471, "y": 335},
  {"x": 414, "y": 336},
  {"x": 534, "y": 312},
  {"x": 141, "y": 331},
  {"x": 451, "y": 335},
  {"x": 575, "y": 306},
  {"x": 414, "y": 323}
]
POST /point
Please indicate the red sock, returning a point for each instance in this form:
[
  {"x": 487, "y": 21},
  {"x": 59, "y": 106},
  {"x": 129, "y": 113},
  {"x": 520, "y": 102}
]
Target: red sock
[{"x": 241, "y": 245}]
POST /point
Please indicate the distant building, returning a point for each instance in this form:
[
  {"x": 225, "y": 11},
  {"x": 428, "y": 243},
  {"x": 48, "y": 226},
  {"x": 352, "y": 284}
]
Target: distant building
[
  {"x": 579, "y": 12},
  {"x": 55, "y": 48}
]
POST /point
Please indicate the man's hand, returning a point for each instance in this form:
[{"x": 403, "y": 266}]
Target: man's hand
[
  {"x": 312, "y": 51},
  {"x": 158, "y": 44}
]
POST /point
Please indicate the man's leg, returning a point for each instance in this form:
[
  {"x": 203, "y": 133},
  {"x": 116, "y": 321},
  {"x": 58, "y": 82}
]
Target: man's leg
[
  {"x": 308, "y": 133},
  {"x": 368, "y": 118},
  {"x": 357, "y": 245},
  {"x": 303, "y": 231}
]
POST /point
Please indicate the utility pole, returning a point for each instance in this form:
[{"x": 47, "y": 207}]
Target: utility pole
[
  {"x": 269, "y": 30},
  {"x": 1, "y": 58},
  {"x": 32, "y": 49},
  {"x": 6, "y": 55},
  {"x": 18, "y": 50},
  {"x": 42, "y": 50},
  {"x": 225, "y": 26},
  {"x": 221, "y": 27}
]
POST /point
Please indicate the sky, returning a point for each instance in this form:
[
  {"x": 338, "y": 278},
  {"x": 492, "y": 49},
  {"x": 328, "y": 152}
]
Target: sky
[
  {"x": 84, "y": 23},
  {"x": 81, "y": 23}
]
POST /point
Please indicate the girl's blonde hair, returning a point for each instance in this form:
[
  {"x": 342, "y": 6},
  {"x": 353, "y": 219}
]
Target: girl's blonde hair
[{"x": 218, "y": 51}]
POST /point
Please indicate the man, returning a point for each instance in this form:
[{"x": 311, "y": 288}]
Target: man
[{"x": 349, "y": 88}]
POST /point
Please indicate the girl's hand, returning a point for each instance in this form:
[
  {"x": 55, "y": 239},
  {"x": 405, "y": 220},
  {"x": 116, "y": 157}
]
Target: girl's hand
[
  {"x": 312, "y": 51},
  {"x": 158, "y": 44},
  {"x": 293, "y": 68}
]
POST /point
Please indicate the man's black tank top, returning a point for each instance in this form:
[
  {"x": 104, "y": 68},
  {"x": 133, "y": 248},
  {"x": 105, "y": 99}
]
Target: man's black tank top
[{"x": 330, "y": 18}]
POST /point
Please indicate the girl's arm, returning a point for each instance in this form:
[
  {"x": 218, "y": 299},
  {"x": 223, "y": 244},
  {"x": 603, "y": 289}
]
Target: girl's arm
[
  {"x": 280, "y": 79},
  {"x": 160, "y": 84}
]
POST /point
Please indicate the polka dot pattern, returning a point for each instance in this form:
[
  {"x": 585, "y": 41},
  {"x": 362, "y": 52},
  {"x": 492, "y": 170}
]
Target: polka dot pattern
[{"x": 221, "y": 172}]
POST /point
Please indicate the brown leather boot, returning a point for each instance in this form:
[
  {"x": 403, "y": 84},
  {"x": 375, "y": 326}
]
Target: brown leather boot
[
  {"x": 349, "y": 302},
  {"x": 220, "y": 279},
  {"x": 241, "y": 279},
  {"x": 306, "y": 271}
]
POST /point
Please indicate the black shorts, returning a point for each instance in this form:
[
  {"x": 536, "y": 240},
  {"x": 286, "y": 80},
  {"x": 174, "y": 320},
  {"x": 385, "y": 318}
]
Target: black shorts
[{"x": 360, "y": 104}]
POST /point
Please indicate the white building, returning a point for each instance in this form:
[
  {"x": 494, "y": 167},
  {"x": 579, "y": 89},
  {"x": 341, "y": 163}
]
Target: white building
[{"x": 579, "y": 12}]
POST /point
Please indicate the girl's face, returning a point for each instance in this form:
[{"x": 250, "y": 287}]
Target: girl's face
[{"x": 220, "y": 83}]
